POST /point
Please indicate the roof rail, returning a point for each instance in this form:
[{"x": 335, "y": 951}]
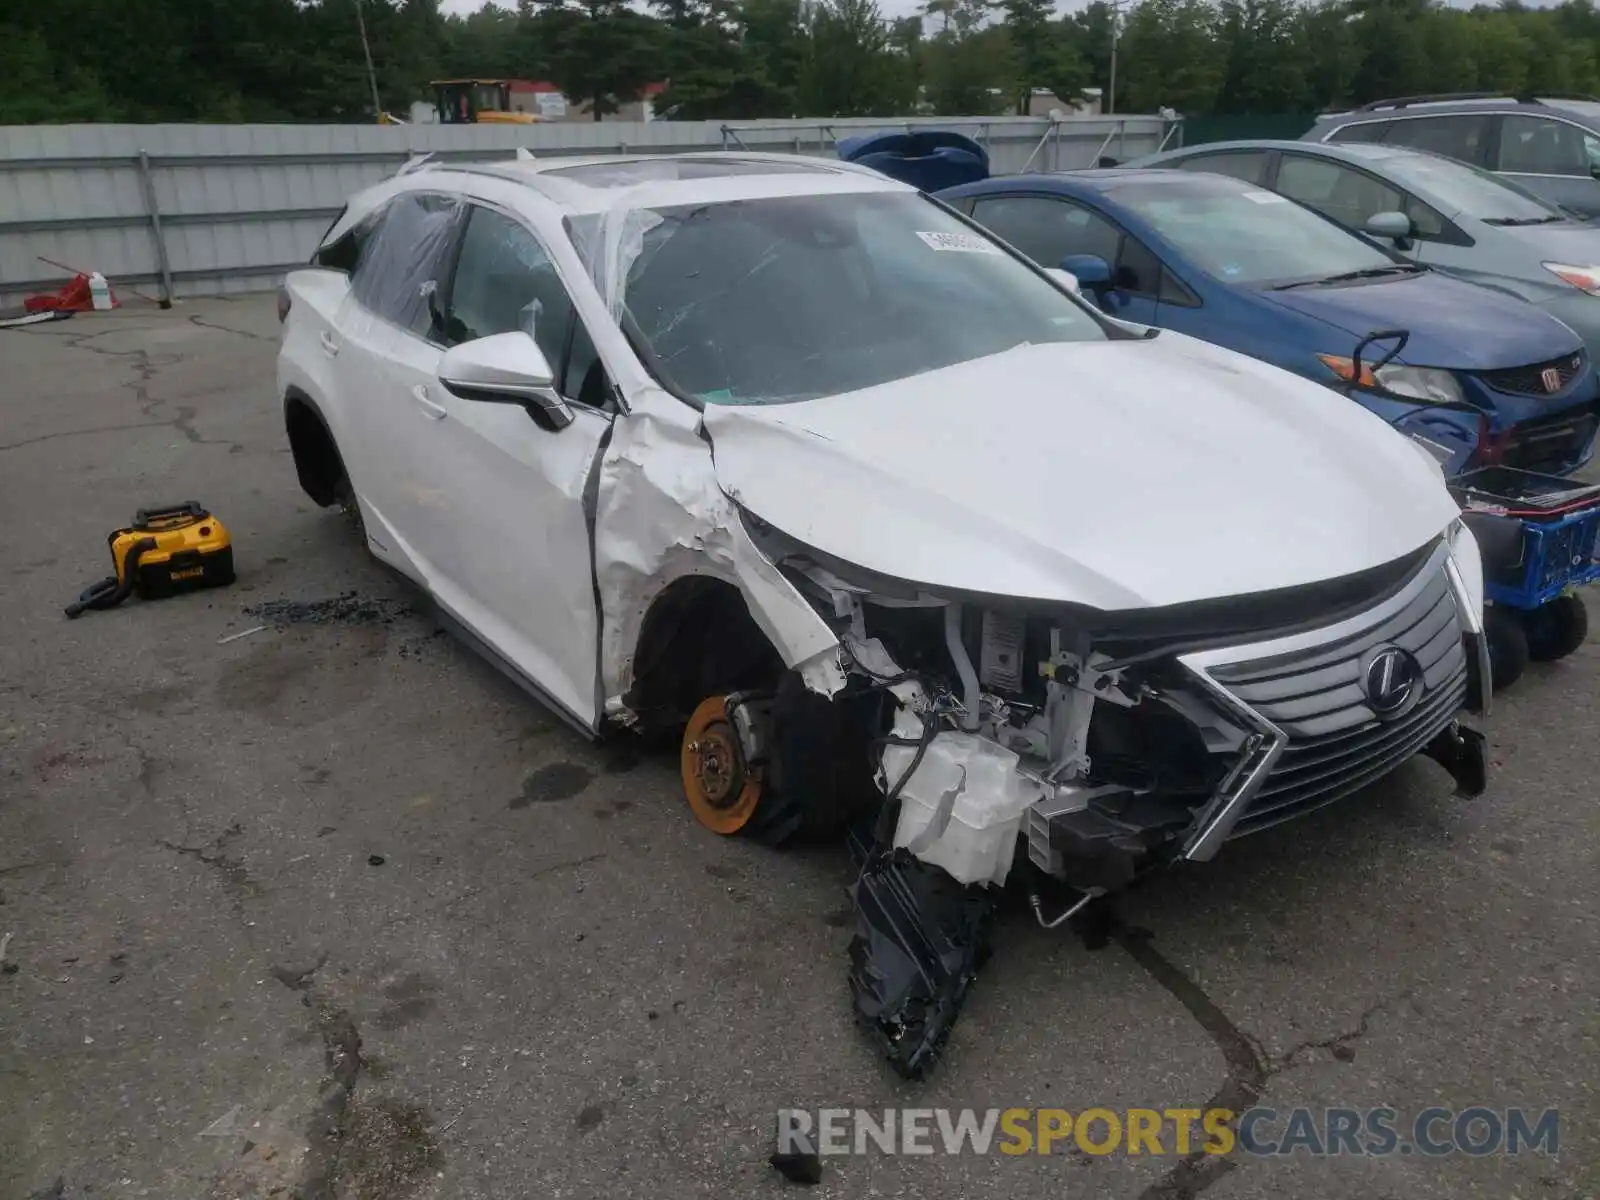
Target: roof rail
[
  {"x": 1542, "y": 96},
  {"x": 415, "y": 163},
  {"x": 1446, "y": 97},
  {"x": 1433, "y": 98}
]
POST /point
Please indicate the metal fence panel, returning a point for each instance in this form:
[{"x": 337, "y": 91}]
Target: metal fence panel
[{"x": 238, "y": 205}]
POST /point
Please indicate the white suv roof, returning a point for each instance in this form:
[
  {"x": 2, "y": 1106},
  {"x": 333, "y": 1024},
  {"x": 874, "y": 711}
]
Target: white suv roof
[{"x": 595, "y": 183}]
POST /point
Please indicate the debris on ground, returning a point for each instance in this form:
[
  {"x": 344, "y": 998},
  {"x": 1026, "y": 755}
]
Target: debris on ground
[
  {"x": 375, "y": 860},
  {"x": 16, "y": 318},
  {"x": 347, "y": 608},
  {"x": 234, "y": 637},
  {"x": 804, "y": 1167},
  {"x": 6, "y": 968},
  {"x": 920, "y": 939},
  {"x": 225, "y": 1125}
]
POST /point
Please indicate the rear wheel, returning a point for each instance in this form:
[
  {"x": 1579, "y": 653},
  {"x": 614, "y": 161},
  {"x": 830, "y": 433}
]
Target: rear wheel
[
  {"x": 1508, "y": 645},
  {"x": 350, "y": 507},
  {"x": 1556, "y": 629}
]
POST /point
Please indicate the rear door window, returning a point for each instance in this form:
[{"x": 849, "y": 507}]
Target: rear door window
[
  {"x": 1361, "y": 131},
  {"x": 1465, "y": 136},
  {"x": 398, "y": 270},
  {"x": 1544, "y": 146},
  {"x": 1250, "y": 166}
]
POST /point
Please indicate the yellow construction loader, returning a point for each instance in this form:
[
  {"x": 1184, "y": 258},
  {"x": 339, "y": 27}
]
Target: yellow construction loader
[{"x": 477, "y": 102}]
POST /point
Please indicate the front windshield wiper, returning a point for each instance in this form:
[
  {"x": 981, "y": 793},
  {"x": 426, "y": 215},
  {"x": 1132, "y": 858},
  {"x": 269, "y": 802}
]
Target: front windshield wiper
[
  {"x": 1348, "y": 276},
  {"x": 1550, "y": 220}
]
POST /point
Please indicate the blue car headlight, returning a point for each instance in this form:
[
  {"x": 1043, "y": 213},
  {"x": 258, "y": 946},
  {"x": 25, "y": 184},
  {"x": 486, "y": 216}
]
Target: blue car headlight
[{"x": 1425, "y": 385}]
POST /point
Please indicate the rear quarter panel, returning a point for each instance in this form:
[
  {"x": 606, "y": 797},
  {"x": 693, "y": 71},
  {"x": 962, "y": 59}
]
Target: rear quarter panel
[{"x": 316, "y": 297}]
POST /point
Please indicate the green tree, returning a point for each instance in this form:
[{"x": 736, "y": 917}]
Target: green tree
[
  {"x": 1265, "y": 64},
  {"x": 1170, "y": 55},
  {"x": 850, "y": 69},
  {"x": 601, "y": 53}
]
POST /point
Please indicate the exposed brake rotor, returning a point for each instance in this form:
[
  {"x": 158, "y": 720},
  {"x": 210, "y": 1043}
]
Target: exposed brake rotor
[{"x": 723, "y": 791}]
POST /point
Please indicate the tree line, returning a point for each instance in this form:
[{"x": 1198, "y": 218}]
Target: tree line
[{"x": 303, "y": 60}]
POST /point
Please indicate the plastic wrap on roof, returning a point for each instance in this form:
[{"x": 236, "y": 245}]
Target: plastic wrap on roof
[
  {"x": 927, "y": 159},
  {"x": 671, "y": 170}
]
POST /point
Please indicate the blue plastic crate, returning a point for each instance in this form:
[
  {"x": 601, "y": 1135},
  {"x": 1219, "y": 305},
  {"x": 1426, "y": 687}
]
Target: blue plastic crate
[
  {"x": 1560, "y": 528},
  {"x": 1555, "y": 557}
]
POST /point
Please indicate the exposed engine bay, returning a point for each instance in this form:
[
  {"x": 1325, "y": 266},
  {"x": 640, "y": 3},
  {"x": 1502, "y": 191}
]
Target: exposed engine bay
[{"x": 1013, "y": 755}]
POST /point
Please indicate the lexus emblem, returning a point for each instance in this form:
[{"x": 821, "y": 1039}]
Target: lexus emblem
[
  {"x": 1393, "y": 682},
  {"x": 1551, "y": 378}
]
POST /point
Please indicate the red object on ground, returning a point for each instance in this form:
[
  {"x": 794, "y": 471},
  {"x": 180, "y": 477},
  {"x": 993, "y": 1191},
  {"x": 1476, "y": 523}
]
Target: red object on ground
[{"x": 74, "y": 297}]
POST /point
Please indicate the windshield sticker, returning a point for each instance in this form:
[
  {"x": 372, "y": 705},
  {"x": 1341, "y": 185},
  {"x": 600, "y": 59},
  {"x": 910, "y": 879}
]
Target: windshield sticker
[
  {"x": 1265, "y": 197},
  {"x": 961, "y": 243}
]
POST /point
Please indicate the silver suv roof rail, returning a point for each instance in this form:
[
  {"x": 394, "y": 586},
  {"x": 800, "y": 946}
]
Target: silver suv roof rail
[{"x": 1449, "y": 97}]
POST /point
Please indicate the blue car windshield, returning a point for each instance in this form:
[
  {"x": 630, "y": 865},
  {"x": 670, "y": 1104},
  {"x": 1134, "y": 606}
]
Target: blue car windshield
[
  {"x": 1246, "y": 235},
  {"x": 787, "y": 298}
]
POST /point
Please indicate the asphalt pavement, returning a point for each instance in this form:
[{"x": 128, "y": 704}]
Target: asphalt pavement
[{"x": 331, "y": 910}]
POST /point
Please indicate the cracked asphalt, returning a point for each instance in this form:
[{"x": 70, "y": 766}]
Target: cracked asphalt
[{"x": 331, "y": 911}]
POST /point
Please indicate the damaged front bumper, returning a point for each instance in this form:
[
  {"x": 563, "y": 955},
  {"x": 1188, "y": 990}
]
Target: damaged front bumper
[{"x": 1278, "y": 727}]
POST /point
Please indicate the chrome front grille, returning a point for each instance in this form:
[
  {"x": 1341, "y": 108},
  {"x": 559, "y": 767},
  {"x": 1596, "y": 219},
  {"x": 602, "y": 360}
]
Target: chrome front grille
[
  {"x": 1309, "y": 774},
  {"x": 1306, "y": 697}
]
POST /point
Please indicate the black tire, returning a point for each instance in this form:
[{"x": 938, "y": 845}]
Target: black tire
[
  {"x": 1508, "y": 645},
  {"x": 1556, "y": 629},
  {"x": 350, "y": 508}
]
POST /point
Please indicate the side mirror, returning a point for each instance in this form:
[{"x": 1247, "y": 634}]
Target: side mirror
[
  {"x": 1393, "y": 225},
  {"x": 506, "y": 368},
  {"x": 1065, "y": 278},
  {"x": 1092, "y": 272}
]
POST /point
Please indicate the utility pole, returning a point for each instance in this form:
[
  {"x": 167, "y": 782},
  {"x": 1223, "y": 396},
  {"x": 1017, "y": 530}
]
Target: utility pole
[
  {"x": 372, "y": 76},
  {"x": 1111, "y": 100}
]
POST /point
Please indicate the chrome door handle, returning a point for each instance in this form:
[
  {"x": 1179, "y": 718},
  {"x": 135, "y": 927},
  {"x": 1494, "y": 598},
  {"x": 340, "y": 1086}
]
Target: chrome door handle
[
  {"x": 330, "y": 346},
  {"x": 430, "y": 408}
]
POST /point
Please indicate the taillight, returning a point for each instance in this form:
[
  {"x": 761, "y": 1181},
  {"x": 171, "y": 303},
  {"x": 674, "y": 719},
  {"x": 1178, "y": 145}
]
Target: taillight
[{"x": 284, "y": 301}]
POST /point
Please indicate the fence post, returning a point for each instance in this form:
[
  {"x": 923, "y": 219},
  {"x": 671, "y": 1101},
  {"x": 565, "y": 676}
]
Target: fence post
[{"x": 147, "y": 185}]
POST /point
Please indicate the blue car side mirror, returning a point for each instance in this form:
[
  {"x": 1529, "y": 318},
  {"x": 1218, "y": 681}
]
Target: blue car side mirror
[{"x": 1092, "y": 272}]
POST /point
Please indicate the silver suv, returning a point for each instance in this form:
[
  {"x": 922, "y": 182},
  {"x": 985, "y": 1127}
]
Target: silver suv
[{"x": 1549, "y": 144}]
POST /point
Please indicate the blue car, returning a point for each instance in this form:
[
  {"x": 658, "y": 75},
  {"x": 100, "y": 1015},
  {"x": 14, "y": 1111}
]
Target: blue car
[{"x": 1491, "y": 378}]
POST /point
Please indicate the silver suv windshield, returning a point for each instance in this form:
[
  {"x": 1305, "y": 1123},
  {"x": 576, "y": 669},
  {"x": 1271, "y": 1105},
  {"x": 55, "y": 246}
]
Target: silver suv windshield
[
  {"x": 1457, "y": 187},
  {"x": 789, "y": 298}
]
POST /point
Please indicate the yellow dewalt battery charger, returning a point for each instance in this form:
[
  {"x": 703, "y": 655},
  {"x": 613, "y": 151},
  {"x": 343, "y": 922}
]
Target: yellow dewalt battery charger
[{"x": 165, "y": 552}]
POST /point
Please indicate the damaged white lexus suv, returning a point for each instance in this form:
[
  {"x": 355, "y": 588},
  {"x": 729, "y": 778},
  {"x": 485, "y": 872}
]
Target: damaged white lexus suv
[{"x": 894, "y": 533}]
